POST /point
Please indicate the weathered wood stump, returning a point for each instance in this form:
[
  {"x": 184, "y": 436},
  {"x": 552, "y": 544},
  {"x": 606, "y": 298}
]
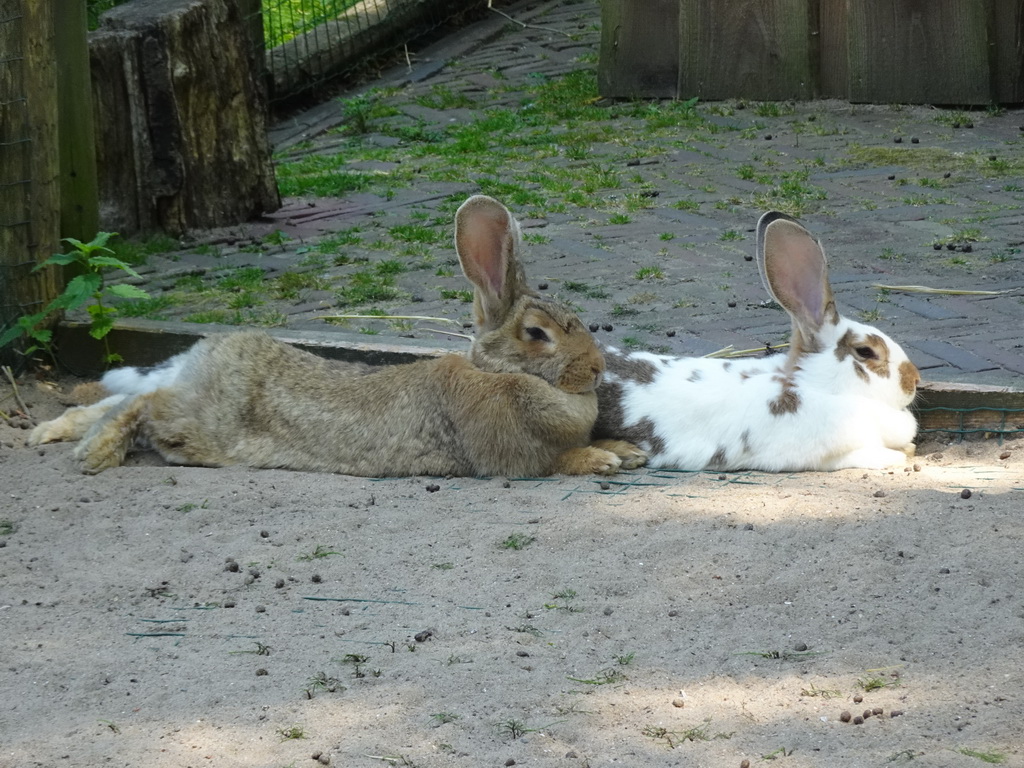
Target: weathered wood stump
[{"x": 181, "y": 118}]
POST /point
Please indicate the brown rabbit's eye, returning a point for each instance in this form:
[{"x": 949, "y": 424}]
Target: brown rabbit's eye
[
  {"x": 537, "y": 334},
  {"x": 866, "y": 352}
]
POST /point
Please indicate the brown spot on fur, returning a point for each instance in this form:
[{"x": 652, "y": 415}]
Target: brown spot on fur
[
  {"x": 744, "y": 375},
  {"x": 801, "y": 345},
  {"x": 788, "y": 400},
  {"x": 877, "y": 361},
  {"x": 909, "y": 377},
  {"x": 726, "y": 366},
  {"x": 745, "y": 441},
  {"x": 861, "y": 371},
  {"x": 653, "y": 443},
  {"x": 628, "y": 368},
  {"x": 695, "y": 375},
  {"x": 610, "y": 418},
  {"x": 611, "y": 421},
  {"x": 717, "y": 460}
]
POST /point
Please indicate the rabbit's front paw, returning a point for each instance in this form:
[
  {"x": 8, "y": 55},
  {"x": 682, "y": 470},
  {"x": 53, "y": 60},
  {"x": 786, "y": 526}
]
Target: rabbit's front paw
[
  {"x": 55, "y": 431},
  {"x": 587, "y": 461},
  {"x": 632, "y": 456},
  {"x": 104, "y": 450}
]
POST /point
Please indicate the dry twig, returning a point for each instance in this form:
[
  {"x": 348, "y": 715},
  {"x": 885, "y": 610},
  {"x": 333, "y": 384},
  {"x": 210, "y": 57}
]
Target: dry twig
[{"x": 17, "y": 394}]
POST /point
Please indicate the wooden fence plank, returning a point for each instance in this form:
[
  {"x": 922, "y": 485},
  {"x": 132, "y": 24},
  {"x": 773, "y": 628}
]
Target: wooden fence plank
[
  {"x": 79, "y": 197},
  {"x": 918, "y": 52},
  {"x": 1006, "y": 30},
  {"x": 754, "y": 49},
  {"x": 639, "y": 49},
  {"x": 833, "y": 50}
]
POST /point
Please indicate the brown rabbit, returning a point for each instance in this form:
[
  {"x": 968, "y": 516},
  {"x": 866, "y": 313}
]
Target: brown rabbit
[{"x": 522, "y": 403}]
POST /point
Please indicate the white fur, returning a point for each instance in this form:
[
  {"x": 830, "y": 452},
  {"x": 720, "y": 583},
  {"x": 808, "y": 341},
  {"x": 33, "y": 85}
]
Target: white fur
[
  {"x": 835, "y": 427},
  {"x": 138, "y": 381},
  {"x": 703, "y": 413}
]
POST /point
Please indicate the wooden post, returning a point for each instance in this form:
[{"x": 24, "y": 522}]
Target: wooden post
[
  {"x": 183, "y": 118},
  {"x": 79, "y": 210},
  {"x": 29, "y": 187},
  {"x": 753, "y": 49},
  {"x": 1006, "y": 31},
  {"x": 639, "y": 49},
  {"x": 919, "y": 52}
]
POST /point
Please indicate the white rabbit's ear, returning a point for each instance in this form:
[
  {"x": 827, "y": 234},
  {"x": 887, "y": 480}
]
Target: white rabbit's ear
[
  {"x": 487, "y": 242},
  {"x": 795, "y": 273}
]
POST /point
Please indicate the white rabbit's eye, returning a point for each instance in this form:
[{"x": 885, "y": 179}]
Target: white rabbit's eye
[
  {"x": 866, "y": 352},
  {"x": 537, "y": 334}
]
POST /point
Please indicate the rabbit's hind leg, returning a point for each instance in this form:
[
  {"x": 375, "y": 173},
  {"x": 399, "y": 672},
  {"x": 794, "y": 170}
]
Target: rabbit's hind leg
[
  {"x": 108, "y": 441},
  {"x": 586, "y": 461},
  {"x": 632, "y": 456},
  {"x": 73, "y": 423}
]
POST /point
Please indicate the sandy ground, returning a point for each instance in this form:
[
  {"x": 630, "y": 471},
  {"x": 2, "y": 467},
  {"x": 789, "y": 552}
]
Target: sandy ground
[{"x": 169, "y": 616}]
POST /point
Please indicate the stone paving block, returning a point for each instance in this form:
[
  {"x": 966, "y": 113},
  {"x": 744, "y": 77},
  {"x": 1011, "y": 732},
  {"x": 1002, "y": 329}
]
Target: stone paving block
[
  {"x": 926, "y": 308},
  {"x": 1010, "y": 359},
  {"x": 955, "y": 356}
]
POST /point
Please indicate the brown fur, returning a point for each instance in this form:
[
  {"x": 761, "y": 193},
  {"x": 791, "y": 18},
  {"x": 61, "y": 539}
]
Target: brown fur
[{"x": 522, "y": 404}]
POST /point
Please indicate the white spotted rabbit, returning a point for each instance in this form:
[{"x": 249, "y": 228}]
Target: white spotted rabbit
[
  {"x": 522, "y": 402},
  {"x": 839, "y": 399}
]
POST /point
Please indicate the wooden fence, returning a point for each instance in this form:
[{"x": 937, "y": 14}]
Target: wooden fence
[{"x": 946, "y": 52}]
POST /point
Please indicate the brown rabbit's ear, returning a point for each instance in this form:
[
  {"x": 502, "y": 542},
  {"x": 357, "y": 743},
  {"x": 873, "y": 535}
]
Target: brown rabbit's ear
[
  {"x": 794, "y": 271},
  {"x": 487, "y": 241}
]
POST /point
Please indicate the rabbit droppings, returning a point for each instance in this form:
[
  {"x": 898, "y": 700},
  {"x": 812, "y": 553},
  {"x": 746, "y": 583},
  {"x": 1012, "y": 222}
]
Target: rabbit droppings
[
  {"x": 522, "y": 402},
  {"x": 840, "y": 398}
]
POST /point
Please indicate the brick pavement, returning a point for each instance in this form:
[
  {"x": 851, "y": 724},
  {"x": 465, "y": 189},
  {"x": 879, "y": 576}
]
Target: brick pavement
[{"x": 878, "y": 223}]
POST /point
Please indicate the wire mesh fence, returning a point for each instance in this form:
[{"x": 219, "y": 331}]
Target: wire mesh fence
[
  {"x": 306, "y": 43},
  {"x": 15, "y": 171},
  {"x": 303, "y": 44}
]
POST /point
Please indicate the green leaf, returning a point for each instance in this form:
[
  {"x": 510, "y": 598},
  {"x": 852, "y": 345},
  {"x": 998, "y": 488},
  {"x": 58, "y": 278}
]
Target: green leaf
[
  {"x": 128, "y": 292},
  {"x": 44, "y": 335},
  {"x": 15, "y": 332},
  {"x": 58, "y": 258},
  {"x": 98, "y": 243},
  {"x": 101, "y": 238},
  {"x": 111, "y": 261},
  {"x": 78, "y": 291},
  {"x": 101, "y": 326},
  {"x": 100, "y": 310}
]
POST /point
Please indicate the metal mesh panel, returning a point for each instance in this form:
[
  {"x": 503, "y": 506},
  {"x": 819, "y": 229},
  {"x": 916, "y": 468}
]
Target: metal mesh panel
[{"x": 307, "y": 43}]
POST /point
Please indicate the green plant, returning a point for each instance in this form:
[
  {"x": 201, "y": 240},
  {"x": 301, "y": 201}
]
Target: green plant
[
  {"x": 293, "y": 732},
  {"x": 517, "y": 541},
  {"x": 876, "y": 682},
  {"x": 321, "y": 681},
  {"x": 318, "y": 553},
  {"x": 91, "y": 259},
  {"x": 441, "y": 718},
  {"x": 985, "y": 757},
  {"x": 655, "y": 273},
  {"x": 586, "y": 289},
  {"x": 462, "y": 295},
  {"x": 604, "y": 677},
  {"x": 564, "y": 596}
]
